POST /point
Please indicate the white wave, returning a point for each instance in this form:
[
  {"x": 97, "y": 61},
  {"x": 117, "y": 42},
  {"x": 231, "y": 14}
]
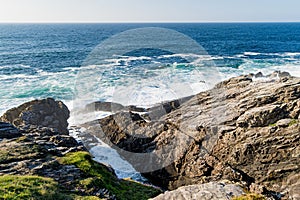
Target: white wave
[
  {"x": 17, "y": 66},
  {"x": 252, "y": 53},
  {"x": 251, "y": 67},
  {"x": 126, "y": 59},
  {"x": 77, "y": 118},
  {"x": 291, "y": 54},
  {"x": 294, "y": 70},
  {"x": 17, "y": 76},
  {"x": 194, "y": 58},
  {"x": 72, "y": 69},
  {"x": 184, "y": 55},
  {"x": 103, "y": 153},
  {"x": 282, "y": 54}
]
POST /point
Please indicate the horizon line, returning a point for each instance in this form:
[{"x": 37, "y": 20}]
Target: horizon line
[{"x": 137, "y": 22}]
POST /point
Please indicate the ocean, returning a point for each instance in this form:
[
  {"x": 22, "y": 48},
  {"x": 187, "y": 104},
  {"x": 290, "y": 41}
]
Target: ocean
[{"x": 58, "y": 60}]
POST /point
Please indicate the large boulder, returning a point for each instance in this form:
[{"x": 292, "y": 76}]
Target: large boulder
[
  {"x": 39, "y": 113},
  {"x": 244, "y": 129},
  {"x": 208, "y": 191}
]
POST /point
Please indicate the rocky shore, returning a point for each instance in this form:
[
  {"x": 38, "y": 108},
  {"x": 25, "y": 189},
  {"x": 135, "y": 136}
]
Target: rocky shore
[
  {"x": 239, "y": 140},
  {"x": 244, "y": 130},
  {"x": 40, "y": 160}
]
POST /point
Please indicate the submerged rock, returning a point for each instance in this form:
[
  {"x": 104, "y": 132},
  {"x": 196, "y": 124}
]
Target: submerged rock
[{"x": 243, "y": 130}]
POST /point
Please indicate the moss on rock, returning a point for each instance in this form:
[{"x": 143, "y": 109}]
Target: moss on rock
[
  {"x": 250, "y": 196},
  {"x": 98, "y": 176},
  {"x": 30, "y": 187}
]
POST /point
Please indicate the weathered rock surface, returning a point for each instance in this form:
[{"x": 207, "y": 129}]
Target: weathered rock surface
[
  {"x": 242, "y": 130},
  {"x": 152, "y": 113},
  {"x": 39, "y": 113},
  {"x": 208, "y": 191},
  {"x": 41, "y": 149},
  {"x": 8, "y": 131}
]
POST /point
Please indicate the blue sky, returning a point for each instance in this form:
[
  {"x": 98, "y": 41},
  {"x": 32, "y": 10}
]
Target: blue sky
[{"x": 149, "y": 10}]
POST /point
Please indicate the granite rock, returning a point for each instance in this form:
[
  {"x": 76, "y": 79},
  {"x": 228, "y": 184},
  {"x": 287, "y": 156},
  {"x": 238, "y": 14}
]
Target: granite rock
[{"x": 237, "y": 131}]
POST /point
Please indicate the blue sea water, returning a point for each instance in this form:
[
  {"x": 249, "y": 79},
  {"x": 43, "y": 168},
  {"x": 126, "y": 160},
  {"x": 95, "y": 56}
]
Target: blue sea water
[
  {"x": 45, "y": 60},
  {"x": 41, "y": 60}
]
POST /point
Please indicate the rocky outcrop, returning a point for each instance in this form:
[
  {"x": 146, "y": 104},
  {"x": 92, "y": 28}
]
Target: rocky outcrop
[
  {"x": 152, "y": 113},
  {"x": 40, "y": 150},
  {"x": 39, "y": 113},
  {"x": 245, "y": 129},
  {"x": 208, "y": 191}
]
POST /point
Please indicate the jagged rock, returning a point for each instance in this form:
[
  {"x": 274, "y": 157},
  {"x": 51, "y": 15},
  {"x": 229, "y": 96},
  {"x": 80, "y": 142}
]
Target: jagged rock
[
  {"x": 104, "y": 106},
  {"x": 41, "y": 113},
  {"x": 234, "y": 131},
  {"x": 111, "y": 107},
  {"x": 8, "y": 131},
  {"x": 259, "y": 75},
  {"x": 156, "y": 112},
  {"x": 208, "y": 191},
  {"x": 64, "y": 141},
  {"x": 48, "y": 151},
  {"x": 257, "y": 189},
  {"x": 262, "y": 116},
  {"x": 279, "y": 74}
]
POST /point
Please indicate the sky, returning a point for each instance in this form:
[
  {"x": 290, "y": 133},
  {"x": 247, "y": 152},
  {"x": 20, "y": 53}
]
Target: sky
[{"x": 149, "y": 11}]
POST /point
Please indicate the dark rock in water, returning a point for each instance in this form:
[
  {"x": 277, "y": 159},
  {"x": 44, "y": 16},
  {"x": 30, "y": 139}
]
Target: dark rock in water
[
  {"x": 242, "y": 130},
  {"x": 8, "y": 131},
  {"x": 153, "y": 113},
  {"x": 135, "y": 109},
  {"x": 41, "y": 113},
  {"x": 111, "y": 107},
  {"x": 259, "y": 75},
  {"x": 279, "y": 74},
  {"x": 156, "y": 112},
  {"x": 122, "y": 125},
  {"x": 104, "y": 106},
  {"x": 275, "y": 74}
]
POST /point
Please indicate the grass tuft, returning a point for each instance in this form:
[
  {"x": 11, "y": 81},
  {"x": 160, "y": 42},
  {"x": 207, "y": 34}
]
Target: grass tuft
[
  {"x": 250, "y": 196},
  {"x": 30, "y": 187},
  {"x": 294, "y": 121},
  {"x": 98, "y": 176}
]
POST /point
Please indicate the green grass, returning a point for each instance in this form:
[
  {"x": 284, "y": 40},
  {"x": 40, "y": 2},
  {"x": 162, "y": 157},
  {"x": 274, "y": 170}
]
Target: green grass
[
  {"x": 30, "y": 187},
  {"x": 86, "y": 198},
  {"x": 294, "y": 121},
  {"x": 15, "y": 187},
  {"x": 272, "y": 125},
  {"x": 250, "y": 196},
  {"x": 98, "y": 176}
]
